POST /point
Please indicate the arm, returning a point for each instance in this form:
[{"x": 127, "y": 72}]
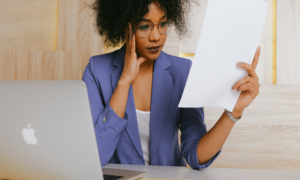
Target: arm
[
  {"x": 213, "y": 140},
  {"x": 199, "y": 147},
  {"x": 107, "y": 131},
  {"x": 210, "y": 143},
  {"x": 193, "y": 130},
  {"x": 110, "y": 119}
]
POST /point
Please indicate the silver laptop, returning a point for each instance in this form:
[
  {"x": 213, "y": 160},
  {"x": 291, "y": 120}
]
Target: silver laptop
[{"x": 47, "y": 132}]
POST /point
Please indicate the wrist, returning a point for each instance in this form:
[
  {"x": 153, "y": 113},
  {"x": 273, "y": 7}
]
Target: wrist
[
  {"x": 236, "y": 113},
  {"x": 124, "y": 81}
]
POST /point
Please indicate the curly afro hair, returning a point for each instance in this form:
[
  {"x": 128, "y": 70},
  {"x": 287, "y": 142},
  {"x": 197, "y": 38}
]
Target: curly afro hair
[{"x": 112, "y": 16}]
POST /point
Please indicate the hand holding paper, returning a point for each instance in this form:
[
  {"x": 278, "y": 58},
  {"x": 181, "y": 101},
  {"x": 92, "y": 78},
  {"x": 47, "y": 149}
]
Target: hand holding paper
[
  {"x": 249, "y": 85},
  {"x": 230, "y": 34}
]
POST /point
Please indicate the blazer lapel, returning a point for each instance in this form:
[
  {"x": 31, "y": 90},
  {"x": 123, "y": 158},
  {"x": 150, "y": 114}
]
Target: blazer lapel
[
  {"x": 160, "y": 99},
  {"x": 132, "y": 126}
]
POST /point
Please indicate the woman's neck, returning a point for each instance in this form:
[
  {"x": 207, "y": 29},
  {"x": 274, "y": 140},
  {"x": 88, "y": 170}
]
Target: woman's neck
[{"x": 146, "y": 66}]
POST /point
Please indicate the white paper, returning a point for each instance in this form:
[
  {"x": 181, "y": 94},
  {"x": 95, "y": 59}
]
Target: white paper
[{"x": 230, "y": 34}]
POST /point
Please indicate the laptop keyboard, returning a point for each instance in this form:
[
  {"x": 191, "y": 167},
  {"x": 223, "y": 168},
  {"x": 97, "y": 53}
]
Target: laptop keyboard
[{"x": 111, "y": 177}]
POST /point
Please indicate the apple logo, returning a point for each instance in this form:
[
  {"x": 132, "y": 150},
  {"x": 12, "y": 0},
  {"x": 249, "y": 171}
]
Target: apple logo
[{"x": 28, "y": 135}]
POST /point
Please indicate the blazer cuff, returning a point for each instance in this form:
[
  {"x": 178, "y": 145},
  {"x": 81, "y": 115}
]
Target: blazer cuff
[
  {"x": 109, "y": 124},
  {"x": 207, "y": 164}
]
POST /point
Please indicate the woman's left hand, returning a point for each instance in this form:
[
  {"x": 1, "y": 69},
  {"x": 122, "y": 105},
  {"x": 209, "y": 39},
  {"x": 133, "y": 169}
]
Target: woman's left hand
[{"x": 248, "y": 86}]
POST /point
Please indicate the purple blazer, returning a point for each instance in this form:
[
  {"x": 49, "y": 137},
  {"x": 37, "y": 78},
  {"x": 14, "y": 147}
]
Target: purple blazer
[{"x": 118, "y": 138}]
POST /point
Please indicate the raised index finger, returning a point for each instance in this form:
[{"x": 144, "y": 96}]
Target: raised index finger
[
  {"x": 132, "y": 39},
  {"x": 128, "y": 35},
  {"x": 256, "y": 57}
]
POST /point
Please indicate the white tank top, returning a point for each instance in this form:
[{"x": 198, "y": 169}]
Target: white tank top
[{"x": 143, "y": 119}]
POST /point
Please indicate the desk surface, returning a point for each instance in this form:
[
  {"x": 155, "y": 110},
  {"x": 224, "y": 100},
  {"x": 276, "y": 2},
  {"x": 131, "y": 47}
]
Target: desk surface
[{"x": 175, "y": 172}]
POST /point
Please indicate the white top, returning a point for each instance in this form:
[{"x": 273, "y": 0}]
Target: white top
[{"x": 143, "y": 119}]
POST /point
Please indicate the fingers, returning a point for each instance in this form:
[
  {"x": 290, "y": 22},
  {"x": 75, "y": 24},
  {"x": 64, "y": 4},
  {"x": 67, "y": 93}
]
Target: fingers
[
  {"x": 245, "y": 80},
  {"x": 128, "y": 35},
  {"x": 130, "y": 31},
  {"x": 249, "y": 68},
  {"x": 256, "y": 57},
  {"x": 132, "y": 40},
  {"x": 254, "y": 91},
  {"x": 141, "y": 60},
  {"x": 133, "y": 44}
]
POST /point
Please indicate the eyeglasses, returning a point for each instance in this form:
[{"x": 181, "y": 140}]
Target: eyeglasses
[{"x": 144, "y": 29}]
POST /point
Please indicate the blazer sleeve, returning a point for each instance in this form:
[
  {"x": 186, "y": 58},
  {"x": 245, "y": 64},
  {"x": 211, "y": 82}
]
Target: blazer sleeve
[
  {"x": 108, "y": 125},
  {"x": 192, "y": 130}
]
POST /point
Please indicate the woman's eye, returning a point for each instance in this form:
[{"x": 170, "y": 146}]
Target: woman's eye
[
  {"x": 163, "y": 24},
  {"x": 143, "y": 27}
]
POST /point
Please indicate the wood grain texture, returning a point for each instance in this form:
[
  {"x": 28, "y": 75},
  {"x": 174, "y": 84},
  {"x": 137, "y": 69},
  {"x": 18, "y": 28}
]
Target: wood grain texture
[
  {"x": 265, "y": 66},
  {"x": 40, "y": 65},
  {"x": 67, "y": 25},
  {"x": 268, "y": 136},
  {"x": 172, "y": 43},
  {"x": 195, "y": 22},
  {"x": 76, "y": 29},
  {"x": 29, "y": 25},
  {"x": 288, "y": 42}
]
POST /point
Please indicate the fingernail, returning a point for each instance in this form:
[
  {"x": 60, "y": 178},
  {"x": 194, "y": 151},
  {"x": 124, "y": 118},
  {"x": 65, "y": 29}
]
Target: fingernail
[
  {"x": 238, "y": 63},
  {"x": 258, "y": 48}
]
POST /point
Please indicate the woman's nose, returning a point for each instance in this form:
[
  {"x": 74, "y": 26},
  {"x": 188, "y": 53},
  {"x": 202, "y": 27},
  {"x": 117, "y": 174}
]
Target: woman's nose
[{"x": 155, "y": 34}]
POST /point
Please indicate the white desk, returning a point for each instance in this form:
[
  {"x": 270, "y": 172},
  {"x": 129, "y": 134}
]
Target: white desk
[{"x": 173, "y": 172}]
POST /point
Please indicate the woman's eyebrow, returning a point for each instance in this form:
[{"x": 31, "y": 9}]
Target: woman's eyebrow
[
  {"x": 163, "y": 16},
  {"x": 148, "y": 20}
]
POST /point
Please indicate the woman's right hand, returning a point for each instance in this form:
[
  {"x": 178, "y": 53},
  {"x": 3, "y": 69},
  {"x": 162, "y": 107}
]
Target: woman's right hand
[{"x": 131, "y": 62}]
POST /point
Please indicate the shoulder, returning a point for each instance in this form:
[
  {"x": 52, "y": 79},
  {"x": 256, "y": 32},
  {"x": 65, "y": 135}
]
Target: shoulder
[
  {"x": 102, "y": 59},
  {"x": 179, "y": 64},
  {"x": 101, "y": 64}
]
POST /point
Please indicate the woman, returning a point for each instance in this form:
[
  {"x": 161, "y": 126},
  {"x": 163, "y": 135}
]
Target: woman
[{"x": 134, "y": 91}]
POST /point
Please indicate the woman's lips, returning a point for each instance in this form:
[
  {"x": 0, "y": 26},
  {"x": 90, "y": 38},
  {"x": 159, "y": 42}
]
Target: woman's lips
[{"x": 154, "y": 49}]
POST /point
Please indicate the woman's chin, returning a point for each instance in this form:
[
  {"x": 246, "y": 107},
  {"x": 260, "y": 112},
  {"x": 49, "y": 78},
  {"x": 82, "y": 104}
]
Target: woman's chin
[{"x": 152, "y": 56}]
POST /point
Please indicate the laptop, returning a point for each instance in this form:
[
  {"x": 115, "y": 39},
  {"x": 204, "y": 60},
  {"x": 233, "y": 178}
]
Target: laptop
[{"x": 47, "y": 132}]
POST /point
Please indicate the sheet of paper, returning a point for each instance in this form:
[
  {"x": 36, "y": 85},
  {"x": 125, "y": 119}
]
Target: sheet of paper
[{"x": 230, "y": 34}]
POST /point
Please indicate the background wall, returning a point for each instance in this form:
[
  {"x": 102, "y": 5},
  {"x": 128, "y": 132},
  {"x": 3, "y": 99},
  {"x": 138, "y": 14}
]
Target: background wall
[
  {"x": 53, "y": 40},
  {"x": 46, "y": 39}
]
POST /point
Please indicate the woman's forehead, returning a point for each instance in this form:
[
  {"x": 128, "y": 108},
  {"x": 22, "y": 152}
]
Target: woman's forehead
[{"x": 155, "y": 13}]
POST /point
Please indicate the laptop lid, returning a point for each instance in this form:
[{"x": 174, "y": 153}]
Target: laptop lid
[{"x": 47, "y": 132}]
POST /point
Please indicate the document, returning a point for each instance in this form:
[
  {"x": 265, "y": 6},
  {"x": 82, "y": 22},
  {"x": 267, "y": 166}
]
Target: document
[{"x": 230, "y": 34}]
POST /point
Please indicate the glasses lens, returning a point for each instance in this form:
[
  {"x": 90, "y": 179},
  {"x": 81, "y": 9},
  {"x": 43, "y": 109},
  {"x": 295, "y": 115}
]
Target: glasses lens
[
  {"x": 163, "y": 27},
  {"x": 144, "y": 29}
]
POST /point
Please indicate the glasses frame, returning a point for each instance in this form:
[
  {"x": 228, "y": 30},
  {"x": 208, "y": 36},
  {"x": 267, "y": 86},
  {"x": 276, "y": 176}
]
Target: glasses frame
[{"x": 169, "y": 24}]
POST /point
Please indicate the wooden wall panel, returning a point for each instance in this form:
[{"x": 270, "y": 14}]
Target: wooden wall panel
[
  {"x": 172, "y": 43},
  {"x": 76, "y": 30},
  {"x": 40, "y": 65},
  {"x": 195, "y": 23},
  {"x": 288, "y": 42},
  {"x": 264, "y": 68},
  {"x": 196, "y": 18},
  {"x": 67, "y": 25},
  {"x": 268, "y": 136},
  {"x": 30, "y": 25}
]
